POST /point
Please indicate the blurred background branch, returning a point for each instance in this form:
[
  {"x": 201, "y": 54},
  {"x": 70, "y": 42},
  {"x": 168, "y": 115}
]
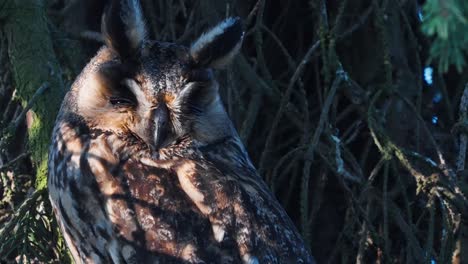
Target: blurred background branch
[{"x": 348, "y": 109}]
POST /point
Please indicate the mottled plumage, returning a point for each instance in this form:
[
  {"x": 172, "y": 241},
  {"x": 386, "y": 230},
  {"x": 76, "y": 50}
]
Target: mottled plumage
[{"x": 145, "y": 165}]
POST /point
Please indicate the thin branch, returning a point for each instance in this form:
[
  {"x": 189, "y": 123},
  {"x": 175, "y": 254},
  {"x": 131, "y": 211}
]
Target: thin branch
[
  {"x": 19, "y": 120},
  {"x": 364, "y": 233},
  {"x": 340, "y": 169},
  {"x": 254, "y": 107},
  {"x": 442, "y": 161},
  {"x": 463, "y": 136},
  {"x": 252, "y": 13},
  {"x": 284, "y": 101},
  {"x": 289, "y": 156},
  {"x": 13, "y": 161},
  {"x": 354, "y": 27},
  {"x": 309, "y": 153}
]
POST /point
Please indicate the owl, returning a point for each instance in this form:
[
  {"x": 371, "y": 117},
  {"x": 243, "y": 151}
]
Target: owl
[{"x": 145, "y": 165}]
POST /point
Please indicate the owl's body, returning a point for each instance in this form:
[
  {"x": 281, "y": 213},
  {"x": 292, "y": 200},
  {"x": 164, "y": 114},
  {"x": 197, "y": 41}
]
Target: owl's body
[{"x": 146, "y": 167}]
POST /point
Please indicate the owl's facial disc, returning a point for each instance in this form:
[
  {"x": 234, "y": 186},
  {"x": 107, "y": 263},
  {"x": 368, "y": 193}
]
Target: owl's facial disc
[
  {"x": 150, "y": 117},
  {"x": 156, "y": 91}
]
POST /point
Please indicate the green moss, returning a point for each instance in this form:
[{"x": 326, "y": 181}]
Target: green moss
[{"x": 34, "y": 62}]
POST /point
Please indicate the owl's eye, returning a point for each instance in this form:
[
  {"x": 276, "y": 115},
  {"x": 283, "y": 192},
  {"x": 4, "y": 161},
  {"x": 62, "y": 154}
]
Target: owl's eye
[
  {"x": 120, "y": 101},
  {"x": 122, "y": 95}
]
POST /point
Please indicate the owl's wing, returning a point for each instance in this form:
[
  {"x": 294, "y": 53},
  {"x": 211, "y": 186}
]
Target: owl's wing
[
  {"x": 225, "y": 187},
  {"x": 210, "y": 207},
  {"x": 118, "y": 210},
  {"x": 152, "y": 218}
]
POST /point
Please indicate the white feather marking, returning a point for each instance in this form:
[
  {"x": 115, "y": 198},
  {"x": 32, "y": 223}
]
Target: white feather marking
[
  {"x": 218, "y": 232},
  {"x": 147, "y": 221},
  {"x": 135, "y": 89},
  {"x": 210, "y": 35},
  {"x": 184, "y": 173},
  {"x": 189, "y": 252},
  {"x": 157, "y": 163},
  {"x": 116, "y": 213}
]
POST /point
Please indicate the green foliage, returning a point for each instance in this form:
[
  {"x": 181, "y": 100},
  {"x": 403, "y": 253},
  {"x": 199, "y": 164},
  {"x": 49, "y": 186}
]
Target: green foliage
[
  {"x": 28, "y": 234},
  {"x": 447, "y": 22}
]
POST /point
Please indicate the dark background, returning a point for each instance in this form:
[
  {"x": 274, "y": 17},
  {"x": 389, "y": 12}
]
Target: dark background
[{"x": 335, "y": 101}]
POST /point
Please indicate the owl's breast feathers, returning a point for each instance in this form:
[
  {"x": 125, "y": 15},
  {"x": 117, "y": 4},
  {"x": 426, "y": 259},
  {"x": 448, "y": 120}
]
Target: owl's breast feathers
[{"x": 194, "y": 204}]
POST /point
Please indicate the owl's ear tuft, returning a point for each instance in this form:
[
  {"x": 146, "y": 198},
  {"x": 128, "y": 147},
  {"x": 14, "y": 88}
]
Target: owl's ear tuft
[
  {"x": 123, "y": 27},
  {"x": 217, "y": 47}
]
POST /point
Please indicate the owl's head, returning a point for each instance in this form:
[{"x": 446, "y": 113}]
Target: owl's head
[{"x": 156, "y": 91}]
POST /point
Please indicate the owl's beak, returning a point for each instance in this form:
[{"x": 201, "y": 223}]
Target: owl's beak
[{"x": 161, "y": 126}]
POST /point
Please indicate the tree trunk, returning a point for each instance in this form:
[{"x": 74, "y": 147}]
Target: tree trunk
[{"x": 34, "y": 64}]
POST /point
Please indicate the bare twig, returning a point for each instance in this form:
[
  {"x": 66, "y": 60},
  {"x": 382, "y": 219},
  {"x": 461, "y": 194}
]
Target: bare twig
[
  {"x": 443, "y": 163},
  {"x": 30, "y": 104},
  {"x": 190, "y": 27},
  {"x": 252, "y": 112},
  {"x": 385, "y": 213},
  {"x": 309, "y": 153},
  {"x": 354, "y": 27},
  {"x": 463, "y": 136},
  {"x": 13, "y": 161},
  {"x": 289, "y": 156},
  {"x": 252, "y": 13},
  {"x": 340, "y": 168},
  {"x": 283, "y": 103},
  {"x": 364, "y": 233}
]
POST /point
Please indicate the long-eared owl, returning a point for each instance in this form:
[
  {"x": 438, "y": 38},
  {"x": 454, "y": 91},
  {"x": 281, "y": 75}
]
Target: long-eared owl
[{"x": 145, "y": 165}]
